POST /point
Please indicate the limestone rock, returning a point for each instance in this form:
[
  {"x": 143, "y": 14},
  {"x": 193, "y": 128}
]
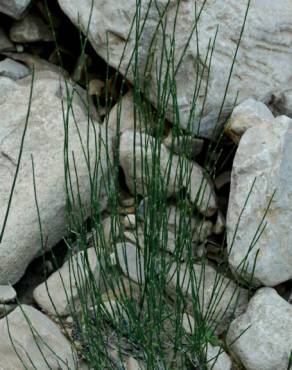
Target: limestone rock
[
  {"x": 136, "y": 237},
  {"x": 12, "y": 69},
  {"x": 51, "y": 350},
  {"x": 262, "y": 159},
  {"x": 178, "y": 221},
  {"x": 14, "y": 8},
  {"x": 63, "y": 286},
  {"x": 30, "y": 29},
  {"x": 34, "y": 61},
  {"x": 216, "y": 293},
  {"x": 126, "y": 115},
  {"x": 44, "y": 140},
  {"x": 184, "y": 144},
  {"x": 249, "y": 113},
  {"x": 131, "y": 262},
  {"x": 262, "y": 60},
  {"x": 7, "y": 293},
  {"x": 137, "y": 160},
  {"x": 264, "y": 332}
]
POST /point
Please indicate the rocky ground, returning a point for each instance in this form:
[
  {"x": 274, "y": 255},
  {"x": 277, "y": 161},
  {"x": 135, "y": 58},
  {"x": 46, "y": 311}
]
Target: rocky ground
[{"x": 243, "y": 214}]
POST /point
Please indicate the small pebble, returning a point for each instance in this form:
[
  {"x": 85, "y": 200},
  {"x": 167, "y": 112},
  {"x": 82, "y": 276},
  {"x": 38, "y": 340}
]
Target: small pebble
[{"x": 12, "y": 69}]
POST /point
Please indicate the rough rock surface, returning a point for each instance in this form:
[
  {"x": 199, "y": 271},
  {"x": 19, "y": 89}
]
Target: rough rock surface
[
  {"x": 178, "y": 221},
  {"x": 184, "y": 145},
  {"x": 125, "y": 116},
  {"x": 14, "y": 8},
  {"x": 44, "y": 140},
  {"x": 248, "y": 114},
  {"x": 136, "y": 157},
  {"x": 64, "y": 285},
  {"x": 12, "y": 69},
  {"x": 51, "y": 351},
  {"x": 220, "y": 300},
  {"x": 267, "y": 342},
  {"x": 7, "y": 293},
  {"x": 30, "y": 29},
  {"x": 263, "y": 158},
  {"x": 131, "y": 262},
  {"x": 261, "y": 67}
]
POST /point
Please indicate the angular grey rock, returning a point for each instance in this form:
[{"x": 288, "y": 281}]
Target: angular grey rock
[
  {"x": 30, "y": 29},
  {"x": 137, "y": 161},
  {"x": 217, "y": 294},
  {"x": 248, "y": 114},
  {"x": 199, "y": 228},
  {"x": 131, "y": 262},
  {"x": 136, "y": 237},
  {"x": 51, "y": 350},
  {"x": 123, "y": 117},
  {"x": 44, "y": 140},
  {"x": 262, "y": 60},
  {"x": 39, "y": 64},
  {"x": 263, "y": 158},
  {"x": 14, "y": 8},
  {"x": 12, "y": 69},
  {"x": 62, "y": 288},
  {"x": 184, "y": 144},
  {"x": 7, "y": 294},
  {"x": 263, "y": 333}
]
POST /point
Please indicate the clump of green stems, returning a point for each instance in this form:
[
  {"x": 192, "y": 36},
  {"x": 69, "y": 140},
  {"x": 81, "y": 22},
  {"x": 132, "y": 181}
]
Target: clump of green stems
[{"x": 146, "y": 324}]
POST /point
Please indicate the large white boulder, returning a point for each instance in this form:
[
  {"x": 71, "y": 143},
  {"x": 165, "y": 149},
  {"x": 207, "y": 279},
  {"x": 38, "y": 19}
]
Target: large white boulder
[
  {"x": 262, "y": 63},
  {"x": 30, "y": 340},
  {"x": 126, "y": 115},
  {"x": 261, "y": 338},
  {"x": 45, "y": 141},
  {"x": 262, "y": 167}
]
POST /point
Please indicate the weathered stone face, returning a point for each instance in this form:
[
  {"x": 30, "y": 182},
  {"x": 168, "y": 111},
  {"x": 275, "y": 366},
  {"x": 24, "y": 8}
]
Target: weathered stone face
[
  {"x": 262, "y": 167},
  {"x": 262, "y": 337},
  {"x": 61, "y": 290},
  {"x": 137, "y": 158},
  {"x": 262, "y": 66},
  {"x": 45, "y": 141},
  {"x": 14, "y": 8},
  {"x": 51, "y": 350}
]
